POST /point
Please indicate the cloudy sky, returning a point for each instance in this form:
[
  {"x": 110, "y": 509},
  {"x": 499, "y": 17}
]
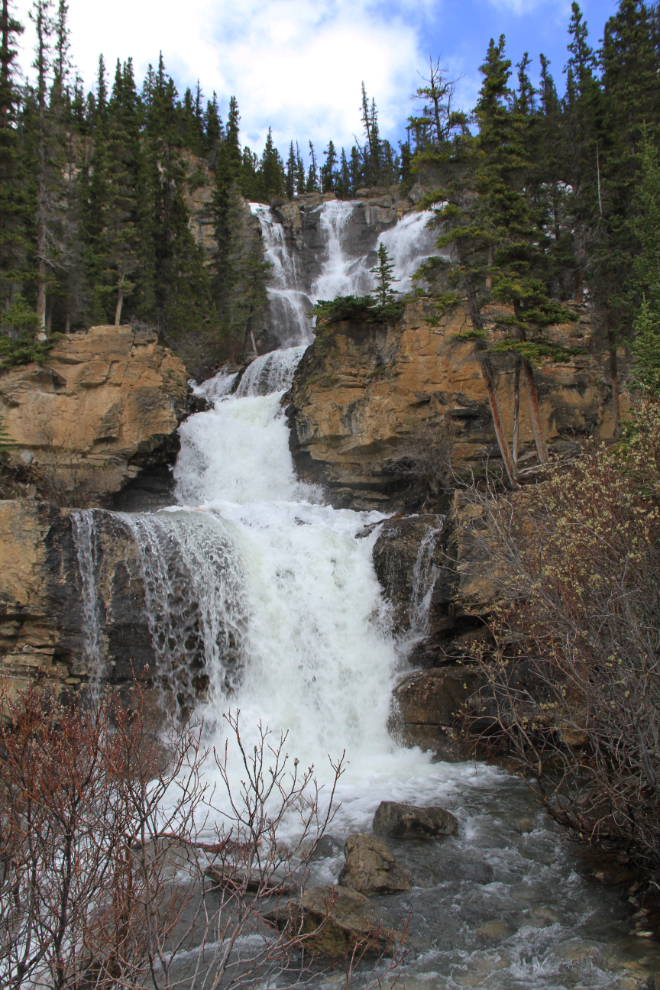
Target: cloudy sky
[{"x": 297, "y": 65}]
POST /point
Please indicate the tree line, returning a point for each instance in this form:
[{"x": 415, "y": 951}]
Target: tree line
[
  {"x": 541, "y": 198},
  {"x": 95, "y": 193},
  {"x": 546, "y": 202}
]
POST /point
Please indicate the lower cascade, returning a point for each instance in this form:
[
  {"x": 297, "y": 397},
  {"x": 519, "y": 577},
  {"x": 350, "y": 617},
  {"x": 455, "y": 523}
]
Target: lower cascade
[{"x": 261, "y": 599}]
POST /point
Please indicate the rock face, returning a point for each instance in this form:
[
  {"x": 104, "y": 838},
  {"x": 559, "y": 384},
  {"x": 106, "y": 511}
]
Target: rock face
[
  {"x": 370, "y": 868},
  {"x": 405, "y": 821},
  {"x": 374, "y": 211},
  {"x": 103, "y": 407},
  {"x": 45, "y": 608},
  {"x": 369, "y": 401}
]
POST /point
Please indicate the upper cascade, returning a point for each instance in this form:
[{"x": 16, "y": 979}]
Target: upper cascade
[{"x": 327, "y": 250}]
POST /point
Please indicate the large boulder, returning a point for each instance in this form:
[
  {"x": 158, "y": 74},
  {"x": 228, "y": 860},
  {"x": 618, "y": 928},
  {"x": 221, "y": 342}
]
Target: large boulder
[
  {"x": 104, "y": 406},
  {"x": 427, "y": 704},
  {"x": 405, "y": 821},
  {"x": 338, "y": 919},
  {"x": 370, "y": 868}
]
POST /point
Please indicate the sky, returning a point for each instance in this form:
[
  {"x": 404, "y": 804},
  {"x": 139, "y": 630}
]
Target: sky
[{"x": 297, "y": 65}]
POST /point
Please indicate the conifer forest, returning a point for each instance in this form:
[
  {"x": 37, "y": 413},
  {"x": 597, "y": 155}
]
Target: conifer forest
[{"x": 546, "y": 192}]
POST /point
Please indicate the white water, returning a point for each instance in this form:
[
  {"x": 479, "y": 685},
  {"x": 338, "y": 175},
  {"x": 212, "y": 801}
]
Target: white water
[
  {"x": 289, "y": 304},
  {"x": 86, "y": 540},
  {"x": 294, "y": 632}
]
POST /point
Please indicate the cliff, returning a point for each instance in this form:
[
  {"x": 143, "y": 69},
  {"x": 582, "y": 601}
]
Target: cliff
[
  {"x": 374, "y": 407},
  {"x": 102, "y": 408}
]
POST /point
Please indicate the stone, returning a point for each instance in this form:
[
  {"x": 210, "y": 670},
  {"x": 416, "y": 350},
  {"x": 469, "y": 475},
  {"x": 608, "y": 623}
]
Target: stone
[
  {"x": 42, "y": 625},
  {"x": 427, "y": 703},
  {"x": 103, "y": 407},
  {"x": 405, "y": 821},
  {"x": 365, "y": 396},
  {"x": 343, "y": 917},
  {"x": 370, "y": 868}
]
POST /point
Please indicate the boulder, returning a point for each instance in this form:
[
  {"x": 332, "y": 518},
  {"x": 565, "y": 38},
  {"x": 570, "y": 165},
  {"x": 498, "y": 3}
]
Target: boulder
[
  {"x": 343, "y": 918},
  {"x": 428, "y": 702},
  {"x": 405, "y": 821},
  {"x": 370, "y": 868}
]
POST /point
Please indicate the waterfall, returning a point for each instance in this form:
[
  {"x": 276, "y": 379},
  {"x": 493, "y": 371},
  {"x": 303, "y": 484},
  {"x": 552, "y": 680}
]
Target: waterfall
[
  {"x": 259, "y": 597},
  {"x": 408, "y": 245},
  {"x": 424, "y": 575},
  {"x": 289, "y": 304},
  {"x": 271, "y": 372},
  {"x": 86, "y": 541}
]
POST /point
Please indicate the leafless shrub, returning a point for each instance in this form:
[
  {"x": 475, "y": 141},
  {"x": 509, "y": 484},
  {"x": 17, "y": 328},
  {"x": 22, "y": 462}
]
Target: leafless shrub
[
  {"x": 574, "y": 678},
  {"x": 62, "y": 476},
  {"x": 120, "y": 867}
]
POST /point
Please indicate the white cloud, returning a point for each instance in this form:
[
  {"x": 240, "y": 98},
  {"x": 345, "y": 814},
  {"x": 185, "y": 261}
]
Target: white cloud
[{"x": 294, "y": 64}]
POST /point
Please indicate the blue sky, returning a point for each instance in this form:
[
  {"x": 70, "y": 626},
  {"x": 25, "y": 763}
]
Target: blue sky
[{"x": 297, "y": 65}]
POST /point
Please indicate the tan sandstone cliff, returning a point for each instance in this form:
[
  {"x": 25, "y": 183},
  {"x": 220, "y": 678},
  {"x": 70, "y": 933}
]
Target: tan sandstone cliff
[
  {"x": 366, "y": 395},
  {"x": 98, "y": 410}
]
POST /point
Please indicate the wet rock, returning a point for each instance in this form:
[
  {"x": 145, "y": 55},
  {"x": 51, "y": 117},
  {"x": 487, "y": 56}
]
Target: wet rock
[
  {"x": 397, "y": 559},
  {"x": 326, "y": 847},
  {"x": 370, "y": 867},
  {"x": 405, "y": 821},
  {"x": 341, "y": 919},
  {"x": 428, "y": 703}
]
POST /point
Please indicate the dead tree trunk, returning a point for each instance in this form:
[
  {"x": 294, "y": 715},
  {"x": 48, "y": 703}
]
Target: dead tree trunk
[
  {"x": 535, "y": 413},
  {"x": 516, "y": 410},
  {"x": 493, "y": 398},
  {"x": 614, "y": 375}
]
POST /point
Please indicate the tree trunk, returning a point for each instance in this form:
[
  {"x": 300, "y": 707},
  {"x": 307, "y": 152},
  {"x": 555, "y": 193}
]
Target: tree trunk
[
  {"x": 491, "y": 262},
  {"x": 489, "y": 380},
  {"x": 120, "y": 303},
  {"x": 537, "y": 426},
  {"x": 254, "y": 346},
  {"x": 491, "y": 389},
  {"x": 614, "y": 375},
  {"x": 67, "y": 322},
  {"x": 516, "y": 410}
]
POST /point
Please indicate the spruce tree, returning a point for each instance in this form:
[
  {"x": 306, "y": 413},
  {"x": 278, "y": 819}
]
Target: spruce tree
[
  {"x": 328, "y": 169},
  {"x": 14, "y": 200},
  {"x": 312, "y": 184},
  {"x": 383, "y": 273}
]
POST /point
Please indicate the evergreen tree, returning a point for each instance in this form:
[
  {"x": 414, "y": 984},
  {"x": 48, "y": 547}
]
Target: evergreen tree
[
  {"x": 301, "y": 181},
  {"x": 14, "y": 201},
  {"x": 312, "y": 184},
  {"x": 328, "y": 169},
  {"x": 272, "y": 170},
  {"x": 344, "y": 187},
  {"x": 382, "y": 273},
  {"x": 291, "y": 172}
]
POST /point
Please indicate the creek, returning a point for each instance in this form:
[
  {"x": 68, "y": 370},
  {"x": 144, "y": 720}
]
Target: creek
[{"x": 294, "y": 631}]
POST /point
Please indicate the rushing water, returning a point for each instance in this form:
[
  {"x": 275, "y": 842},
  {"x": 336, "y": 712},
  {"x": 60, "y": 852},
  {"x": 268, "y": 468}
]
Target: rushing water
[{"x": 252, "y": 572}]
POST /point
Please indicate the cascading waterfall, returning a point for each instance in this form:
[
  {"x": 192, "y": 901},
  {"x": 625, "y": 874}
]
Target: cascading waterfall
[
  {"x": 424, "y": 575},
  {"x": 255, "y": 587},
  {"x": 271, "y": 372},
  {"x": 86, "y": 540},
  {"x": 289, "y": 304}
]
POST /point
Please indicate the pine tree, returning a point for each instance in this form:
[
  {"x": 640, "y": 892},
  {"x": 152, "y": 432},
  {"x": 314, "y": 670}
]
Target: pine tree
[
  {"x": 14, "y": 201},
  {"x": 291, "y": 172},
  {"x": 383, "y": 273},
  {"x": 301, "y": 181},
  {"x": 271, "y": 169},
  {"x": 344, "y": 187},
  {"x": 312, "y": 184},
  {"x": 328, "y": 169}
]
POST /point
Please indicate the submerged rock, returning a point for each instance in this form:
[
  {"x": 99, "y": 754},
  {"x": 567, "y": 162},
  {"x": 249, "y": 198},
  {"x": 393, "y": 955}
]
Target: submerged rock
[
  {"x": 370, "y": 867},
  {"x": 339, "y": 919},
  {"x": 405, "y": 821}
]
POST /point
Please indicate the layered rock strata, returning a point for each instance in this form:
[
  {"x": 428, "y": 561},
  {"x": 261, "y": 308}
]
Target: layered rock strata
[
  {"x": 374, "y": 407},
  {"x": 103, "y": 407}
]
